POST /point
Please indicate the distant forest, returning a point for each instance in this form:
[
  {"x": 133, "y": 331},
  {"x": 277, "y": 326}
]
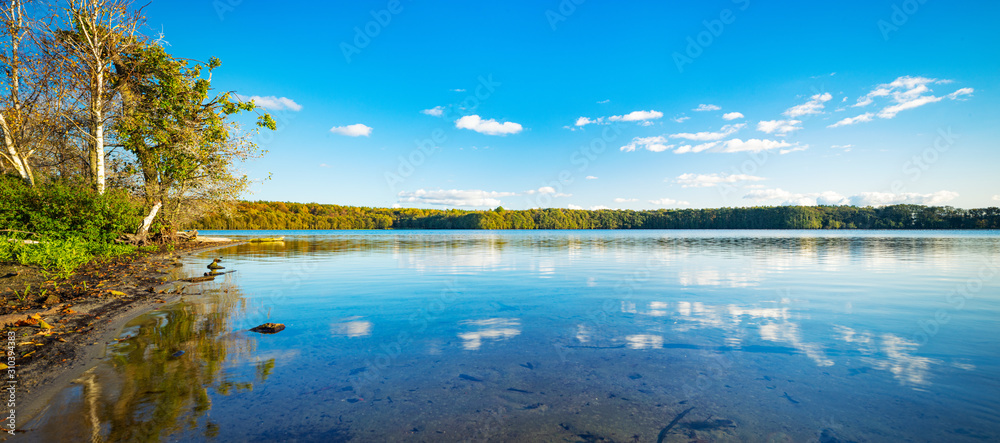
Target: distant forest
[{"x": 283, "y": 215}]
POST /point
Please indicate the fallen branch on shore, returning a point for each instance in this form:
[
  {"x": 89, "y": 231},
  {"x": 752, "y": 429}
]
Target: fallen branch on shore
[
  {"x": 27, "y": 242},
  {"x": 19, "y": 232}
]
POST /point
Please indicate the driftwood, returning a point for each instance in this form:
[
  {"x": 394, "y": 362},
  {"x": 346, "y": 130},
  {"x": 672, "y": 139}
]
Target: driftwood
[
  {"x": 27, "y": 242},
  {"x": 14, "y": 240}
]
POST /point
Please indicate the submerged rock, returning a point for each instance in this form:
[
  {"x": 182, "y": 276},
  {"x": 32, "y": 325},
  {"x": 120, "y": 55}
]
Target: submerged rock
[
  {"x": 215, "y": 264},
  {"x": 269, "y": 328}
]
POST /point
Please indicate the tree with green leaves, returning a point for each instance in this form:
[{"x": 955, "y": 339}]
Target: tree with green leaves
[{"x": 183, "y": 136}]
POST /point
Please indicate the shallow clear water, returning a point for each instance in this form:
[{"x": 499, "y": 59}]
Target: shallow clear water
[{"x": 563, "y": 336}]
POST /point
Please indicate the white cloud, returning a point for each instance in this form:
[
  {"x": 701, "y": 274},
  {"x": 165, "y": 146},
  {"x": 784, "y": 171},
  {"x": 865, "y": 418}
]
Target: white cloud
[
  {"x": 726, "y": 131},
  {"x": 753, "y": 145},
  {"x": 863, "y": 101},
  {"x": 779, "y": 127},
  {"x": 793, "y": 149},
  {"x": 891, "y": 111},
  {"x": 272, "y": 103},
  {"x": 604, "y": 101},
  {"x": 703, "y": 107},
  {"x": 642, "y": 117},
  {"x": 696, "y": 148},
  {"x": 707, "y": 180},
  {"x": 355, "y": 130},
  {"x": 768, "y": 194},
  {"x": 660, "y": 143},
  {"x": 789, "y": 198},
  {"x": 964, "y": 91},
  {"x": 625, "y": 200},
  {"x": 813, "y": 106},
  {"x": 732, "y": 115},
  {"x": 846, "y": 148},
  {"x": 681, "y": 119},
  {"x": 669, "y": 202},
  {"x": 457, "y": 90},
  {"x": 655, "y": 144},
  {"x": 591, "y": 177},
  {"x": 888, "y": 198},
  {"x": 572, "y": 206},
  {"x": 598, "y": 207},
  {"x": 636, "y": 116},
  {"x": 546, "y": 190},
  {"x": 454, "y": 197},
  {"x": 866, "y": 117},
  {"x": 436, "y": 111},
  {"x": 907, "y": 93},
  {"x": 861, "y": 199},
  {"x": 488, "y": 127},
  {"x": 324, "y": 165},
  {"x": 996, "y": 197}
]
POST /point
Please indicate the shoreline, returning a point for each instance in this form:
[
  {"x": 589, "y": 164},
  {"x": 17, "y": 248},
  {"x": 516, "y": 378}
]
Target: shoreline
[{"x": 97, "y": 322}]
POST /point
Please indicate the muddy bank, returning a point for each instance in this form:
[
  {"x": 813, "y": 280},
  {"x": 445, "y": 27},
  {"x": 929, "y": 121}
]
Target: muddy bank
[{"x": 85, "y": 313}]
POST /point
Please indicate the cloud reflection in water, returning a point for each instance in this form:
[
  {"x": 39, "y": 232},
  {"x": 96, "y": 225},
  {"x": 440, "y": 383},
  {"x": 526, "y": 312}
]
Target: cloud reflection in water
[{"x": 490, "y": 329}]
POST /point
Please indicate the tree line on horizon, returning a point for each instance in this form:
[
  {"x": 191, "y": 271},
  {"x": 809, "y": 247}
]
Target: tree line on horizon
[{"x": 267, "y": 215}]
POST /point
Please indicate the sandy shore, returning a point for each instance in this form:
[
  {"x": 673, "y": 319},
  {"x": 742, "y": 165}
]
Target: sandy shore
[{"x": 82, "y": 329}]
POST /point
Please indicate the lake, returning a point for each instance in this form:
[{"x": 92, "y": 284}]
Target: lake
[{"x": 562, "y": 336}]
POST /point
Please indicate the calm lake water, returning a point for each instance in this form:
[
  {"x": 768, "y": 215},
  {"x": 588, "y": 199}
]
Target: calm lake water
[{"x": 563, "y": 336}]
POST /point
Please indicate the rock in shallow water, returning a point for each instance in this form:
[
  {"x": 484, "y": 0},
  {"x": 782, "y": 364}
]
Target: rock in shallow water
[{"x": 269, "y": 328}]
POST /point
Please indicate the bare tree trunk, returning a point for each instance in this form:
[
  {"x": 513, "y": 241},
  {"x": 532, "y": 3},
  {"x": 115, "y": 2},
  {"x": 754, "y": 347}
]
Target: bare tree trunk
[
  {"x": 19, "y": 162},
  {"x": 104, "y": 29},
  {"x": 13, "y": 20},
  {"x": 148, "y": 221}
]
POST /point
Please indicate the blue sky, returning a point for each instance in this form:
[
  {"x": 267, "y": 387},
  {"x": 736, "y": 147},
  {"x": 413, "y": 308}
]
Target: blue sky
[{"x": 593, "y": 104}]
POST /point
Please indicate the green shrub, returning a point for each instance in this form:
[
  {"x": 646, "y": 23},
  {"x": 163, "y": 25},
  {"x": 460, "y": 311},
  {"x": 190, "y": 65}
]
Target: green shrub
[
  {"x": 74, "y": 224},
  {"x": 62, "y": 210}
]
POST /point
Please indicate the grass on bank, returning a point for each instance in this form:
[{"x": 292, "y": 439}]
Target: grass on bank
[{"x": 60, "y": 258}]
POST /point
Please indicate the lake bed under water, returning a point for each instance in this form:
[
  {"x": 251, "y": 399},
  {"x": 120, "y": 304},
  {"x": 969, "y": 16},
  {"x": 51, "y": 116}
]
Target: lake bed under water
[{"x": 562, "y": 336}]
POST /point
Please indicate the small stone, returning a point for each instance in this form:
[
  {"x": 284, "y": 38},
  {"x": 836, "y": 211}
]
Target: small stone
[
  {"x": 269, "y": 328},
  {"x": 52, "y": 299}
]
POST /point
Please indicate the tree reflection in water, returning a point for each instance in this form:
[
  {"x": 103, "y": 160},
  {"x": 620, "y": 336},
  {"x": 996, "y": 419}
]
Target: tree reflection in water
[{"x": 158, "y": 379}]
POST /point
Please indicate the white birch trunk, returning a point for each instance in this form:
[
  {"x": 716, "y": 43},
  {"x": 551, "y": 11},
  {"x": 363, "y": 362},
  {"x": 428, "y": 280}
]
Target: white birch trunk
[
  {"x": 14, "y": 19},
  {"x": 148, "y": 221},
  {"x": 12, "y": 155},
  {"x": 99, "y": 131}
]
